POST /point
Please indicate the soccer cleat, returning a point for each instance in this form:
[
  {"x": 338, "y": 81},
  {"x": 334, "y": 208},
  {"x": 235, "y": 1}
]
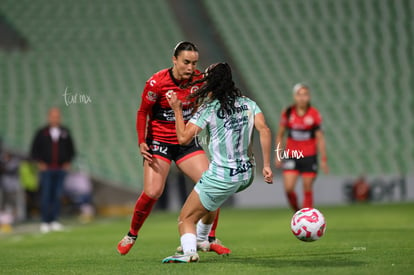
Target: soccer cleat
[
  {"x": 125, "y": 244},
  {"x": 214, "y": 240},
  {"x": 206, "y": 246},
  {"x": 217, "y": 246},
  {"x": 188, "y": 258},
  {"x": 219, "y": 249},
  {"x": 203, "y": 246}
]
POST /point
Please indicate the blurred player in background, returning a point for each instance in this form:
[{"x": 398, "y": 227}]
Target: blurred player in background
[
  {"x": 305, "y": 138},
  {"x": 158, "y": 141},
  {"x": 9, "y": 191}
]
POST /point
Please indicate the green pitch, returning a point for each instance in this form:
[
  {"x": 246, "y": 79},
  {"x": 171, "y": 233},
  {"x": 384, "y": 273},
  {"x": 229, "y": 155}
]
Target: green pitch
[{"x": 360, "y": 239}]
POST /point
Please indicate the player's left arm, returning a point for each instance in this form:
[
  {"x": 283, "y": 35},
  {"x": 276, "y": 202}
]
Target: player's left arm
[
  {"x": 320, "y": 142},
  {"x": 185, "y": 132},
  {"x": 266, "y": 144}
]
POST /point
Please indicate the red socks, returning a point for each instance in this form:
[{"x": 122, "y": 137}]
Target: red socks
[
  {"x": 142, "y": 209},
  {"x": 308, "y": 199},
  {"x": 212, "y": 233},
  {"x": 293, "y": 200}
]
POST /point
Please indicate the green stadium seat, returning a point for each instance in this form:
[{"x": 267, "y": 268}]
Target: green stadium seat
[
  {"x": 354, "y": 56},
  {"x": 105, "y": 49}
]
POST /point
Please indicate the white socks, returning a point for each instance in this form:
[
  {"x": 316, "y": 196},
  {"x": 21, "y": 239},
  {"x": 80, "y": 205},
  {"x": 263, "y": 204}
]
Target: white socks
[
  {"x": 189, "y": 240},
  {"x": 189, "y": 243},
  {"x": 203, "y": 230}
]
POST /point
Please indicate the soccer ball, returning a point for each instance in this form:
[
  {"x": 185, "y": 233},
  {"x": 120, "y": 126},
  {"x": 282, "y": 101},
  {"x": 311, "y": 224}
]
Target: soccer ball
[{"x": 308, "y": 224}]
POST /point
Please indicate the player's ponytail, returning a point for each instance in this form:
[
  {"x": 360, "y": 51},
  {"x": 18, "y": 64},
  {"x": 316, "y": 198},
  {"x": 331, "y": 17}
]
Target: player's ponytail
[{"x": 218, "y": 84}]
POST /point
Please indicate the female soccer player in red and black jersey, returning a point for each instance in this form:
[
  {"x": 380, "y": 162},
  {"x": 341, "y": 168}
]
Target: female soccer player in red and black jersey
[
  {"x": 305, "y": 138},
  {"x": 157, "y": 138}
]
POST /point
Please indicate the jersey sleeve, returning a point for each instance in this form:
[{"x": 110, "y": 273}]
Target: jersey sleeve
[
  {"x": 256, "y": 108},
  {"x": 148, "y": 99},
  {"x": 202, "y": 116}
]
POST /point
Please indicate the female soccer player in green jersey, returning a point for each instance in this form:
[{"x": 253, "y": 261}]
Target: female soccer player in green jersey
[{"x": 229, "y": 118}]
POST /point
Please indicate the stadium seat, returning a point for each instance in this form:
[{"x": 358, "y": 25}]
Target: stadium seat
[
  {"x": 105, "y": 49},
  {"x": 349, "y": 52}
]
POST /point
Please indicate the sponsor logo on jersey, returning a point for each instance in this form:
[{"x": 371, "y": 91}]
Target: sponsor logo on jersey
[
  {"x": 241, "y": 168},
  {"x": 194, "y": 89},
  {"x": 300, "y": 135},
  {"x": 151, "y": 96},
  {"x": 169, "y": 93},
  {"x": 159, "y": 148},
  {"x": 236, "y": 123},
  {"x": 308, "y": 120},
  {"x": 168, "y": 114},
  {"x": 238, "y": 109}
]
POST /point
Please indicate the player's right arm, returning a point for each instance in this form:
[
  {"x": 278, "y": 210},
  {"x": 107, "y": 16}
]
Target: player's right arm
[
  {"x": 279, "y": 139},
  {"x": 266, "y": 143},
  {"x": 185, "y": 132},
  {"x": 148, "y": 99}
]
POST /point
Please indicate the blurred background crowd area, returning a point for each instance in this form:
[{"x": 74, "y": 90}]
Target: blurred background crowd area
[{"x": 92, "y": 58}]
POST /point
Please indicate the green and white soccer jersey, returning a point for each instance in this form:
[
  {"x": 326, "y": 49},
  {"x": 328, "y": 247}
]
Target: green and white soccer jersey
[{"x": 230, "y": 138}]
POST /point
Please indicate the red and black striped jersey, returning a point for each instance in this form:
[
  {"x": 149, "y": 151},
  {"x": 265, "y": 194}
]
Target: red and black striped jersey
[
  {"x": 155, "y": 108},
  {"x": 301, "y": 130}
]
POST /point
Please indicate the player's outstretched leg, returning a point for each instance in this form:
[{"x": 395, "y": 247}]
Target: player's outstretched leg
[{"x": 142, "y": 209}]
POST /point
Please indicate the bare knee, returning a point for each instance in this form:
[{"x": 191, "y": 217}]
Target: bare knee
[
  {"x": 289, "y": 188},
  {"x": 307, "y": 187},
  {"x": 289, "y": 183},
  {"x": 153, "y": 193},
  {"x": 308, "y": 183},
  {"x": 183, "y": 218}
]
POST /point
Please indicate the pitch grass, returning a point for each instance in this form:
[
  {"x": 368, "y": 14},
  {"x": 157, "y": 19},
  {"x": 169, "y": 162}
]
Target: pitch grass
[{"x": 360, "y": 239}]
